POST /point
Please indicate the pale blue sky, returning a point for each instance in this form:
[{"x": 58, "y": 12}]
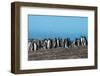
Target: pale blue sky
[{"x": 42, "y": 26}]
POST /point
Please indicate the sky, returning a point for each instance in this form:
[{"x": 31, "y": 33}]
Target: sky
[{"x": 44, "y": 26}]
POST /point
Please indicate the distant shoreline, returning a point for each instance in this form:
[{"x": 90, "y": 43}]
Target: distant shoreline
[{"x": 57, "y": 37}]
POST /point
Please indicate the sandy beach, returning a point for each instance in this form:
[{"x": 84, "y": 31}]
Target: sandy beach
[{"x": 58, "y": 53}]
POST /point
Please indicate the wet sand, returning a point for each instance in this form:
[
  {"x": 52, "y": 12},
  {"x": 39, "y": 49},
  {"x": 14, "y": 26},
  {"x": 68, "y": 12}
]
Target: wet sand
[{"x": 58, "y": 53}]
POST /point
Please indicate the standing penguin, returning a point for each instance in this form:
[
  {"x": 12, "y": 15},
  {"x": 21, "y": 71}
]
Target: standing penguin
[
  {"x": 44, "y": 44},
  {"x": 54, "y": 43},
  {"x": 78, "y": 42},
  {"x": 34, "y": 44},
  {"x": 69, "y": 42},
  {"x": 62, "y": 43},
  {"x": 58, "y": 42},
  {"x": 49, "y": 43},
  {"x": 65, "y": 43},
  {"x": 30, "y": 46},
  {"x": 83, "y": 41}
]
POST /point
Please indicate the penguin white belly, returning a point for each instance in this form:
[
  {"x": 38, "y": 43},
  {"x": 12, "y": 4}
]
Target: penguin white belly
[
  {"x": 35, "y": 47},
  {"x": 48, "y": 45},
  {"x": 29, "y": 46}
]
